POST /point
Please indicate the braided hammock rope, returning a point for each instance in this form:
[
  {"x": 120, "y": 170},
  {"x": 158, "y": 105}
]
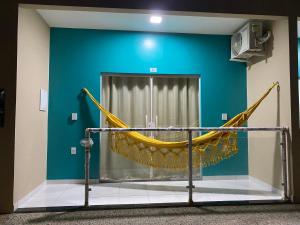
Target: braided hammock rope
[{"x": 208, "y": 149}]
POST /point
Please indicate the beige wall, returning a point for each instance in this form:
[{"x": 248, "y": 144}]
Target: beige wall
[
  {"x": 264, "y": 150},
  {"x": 31, "y": 124}
]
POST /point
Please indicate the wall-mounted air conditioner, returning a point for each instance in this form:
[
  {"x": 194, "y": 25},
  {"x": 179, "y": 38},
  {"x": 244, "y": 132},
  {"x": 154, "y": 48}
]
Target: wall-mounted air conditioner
[{"x": 249, "y": 41}]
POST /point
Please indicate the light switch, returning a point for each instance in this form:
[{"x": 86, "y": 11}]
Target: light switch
[
  {"x": 74, "y": 116},
  {"x": 73, "y": 150},
  {"x": 224, "y": 116}
]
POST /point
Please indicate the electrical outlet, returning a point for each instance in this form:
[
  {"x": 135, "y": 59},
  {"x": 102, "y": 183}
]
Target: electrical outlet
[{"x": 73, "y": 150}]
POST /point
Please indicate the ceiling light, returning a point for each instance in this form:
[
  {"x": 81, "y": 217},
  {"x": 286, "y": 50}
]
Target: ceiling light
[{"x": 155, "y": 19}]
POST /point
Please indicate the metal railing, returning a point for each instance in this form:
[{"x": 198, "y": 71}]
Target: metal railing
[{"x": 87, "y": 143}]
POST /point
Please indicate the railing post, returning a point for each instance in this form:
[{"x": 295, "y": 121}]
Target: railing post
[
  {"x": 190, "y": 164},
  {"x": 283, "y": 148},
  {"x": 87, "y": 168}
]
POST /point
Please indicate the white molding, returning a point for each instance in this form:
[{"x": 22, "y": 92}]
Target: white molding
[
  {"x": 226, "y": 177},
  {"x": 245, "y": 177},
  {"x": 266, "y": 185},
  {"x": 72, "y": 181},
  {"x": 29, "y": 195}
]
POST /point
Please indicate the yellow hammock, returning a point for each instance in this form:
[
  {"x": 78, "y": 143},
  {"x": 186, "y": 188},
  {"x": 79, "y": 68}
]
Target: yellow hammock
[{"x": 208, "y": 149}]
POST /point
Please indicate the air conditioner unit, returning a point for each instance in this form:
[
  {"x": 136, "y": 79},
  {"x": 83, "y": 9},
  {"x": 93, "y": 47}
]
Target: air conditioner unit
[{"x": 248, "y": 41}]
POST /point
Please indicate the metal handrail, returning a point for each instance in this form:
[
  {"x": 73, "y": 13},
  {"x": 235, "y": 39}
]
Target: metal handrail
[
  {"x": 87, "y": 143},
  {"x": 242, "y": 129}
]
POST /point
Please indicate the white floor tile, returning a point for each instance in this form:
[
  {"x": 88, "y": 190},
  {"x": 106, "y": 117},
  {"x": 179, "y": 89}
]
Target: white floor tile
[
  {"x": 99, "y": 191},
  {"x": 40, "y": 202},
  {"x": 104, "y": 201},
  {"x": 167, "y": 198},
  {"x": 134, "y": 200},
  {"x": 150, "y": 192}
]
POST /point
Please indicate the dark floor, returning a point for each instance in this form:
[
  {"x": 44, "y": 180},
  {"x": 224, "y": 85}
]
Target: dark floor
[{"x": 254, "y": 214}]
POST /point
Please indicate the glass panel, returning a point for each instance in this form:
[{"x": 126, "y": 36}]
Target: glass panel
[
  {"x": 127, "y": 190},
  {"x": 253, "y": 173}
]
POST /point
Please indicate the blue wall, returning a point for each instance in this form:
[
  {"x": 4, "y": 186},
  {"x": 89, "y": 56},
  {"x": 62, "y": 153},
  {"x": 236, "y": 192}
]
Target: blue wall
[{"x": 77, "y": 57}]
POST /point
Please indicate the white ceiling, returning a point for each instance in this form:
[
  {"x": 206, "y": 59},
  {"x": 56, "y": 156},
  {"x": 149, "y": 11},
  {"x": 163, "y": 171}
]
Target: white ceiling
[{"x": 140, "y": 22}]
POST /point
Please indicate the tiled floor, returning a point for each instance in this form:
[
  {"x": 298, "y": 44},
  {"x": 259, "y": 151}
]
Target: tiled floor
[{"x": 151, "y": 192}]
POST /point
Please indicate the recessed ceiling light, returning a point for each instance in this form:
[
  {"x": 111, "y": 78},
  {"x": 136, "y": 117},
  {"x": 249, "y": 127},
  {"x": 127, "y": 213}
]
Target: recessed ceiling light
[{"x": 155, "y": 19}]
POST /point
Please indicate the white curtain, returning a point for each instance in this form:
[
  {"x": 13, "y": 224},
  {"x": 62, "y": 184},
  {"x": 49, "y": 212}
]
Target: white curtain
[
  {"x": 128, "y": 98},
  {"x": 175, "y": 103}
]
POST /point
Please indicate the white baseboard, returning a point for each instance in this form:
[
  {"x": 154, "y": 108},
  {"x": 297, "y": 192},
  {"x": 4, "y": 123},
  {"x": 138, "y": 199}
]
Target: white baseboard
[
  {"x": 29, "y": 195},
  {"x": 226, "y": 177},
  {"x": 266, "y": 185},
  {"x": 72, "y": 181},
  {"x": 245, "y": 177}
]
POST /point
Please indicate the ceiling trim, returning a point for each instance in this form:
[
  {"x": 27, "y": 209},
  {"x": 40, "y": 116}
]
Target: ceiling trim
[{"x": 146, "y": 11}]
